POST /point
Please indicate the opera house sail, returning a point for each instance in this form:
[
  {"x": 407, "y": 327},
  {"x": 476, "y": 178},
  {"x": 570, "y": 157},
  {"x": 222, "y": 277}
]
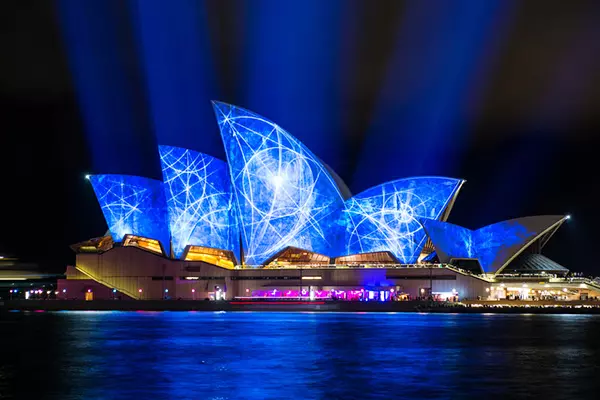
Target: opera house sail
[
  {"x": 388, "y": 217},
  {"x": 133, "y": 205},
  {"x": 283, "y": 191},
  {"x": 199, "y": 201},
  {"x": 493, "y": 246}
]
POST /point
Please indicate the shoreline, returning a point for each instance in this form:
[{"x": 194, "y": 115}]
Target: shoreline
[{"x": 300, "y": 306}]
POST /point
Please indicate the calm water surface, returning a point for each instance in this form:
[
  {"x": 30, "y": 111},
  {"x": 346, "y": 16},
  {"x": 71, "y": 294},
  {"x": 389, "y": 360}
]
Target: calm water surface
[{"x": 181, "y": 355}]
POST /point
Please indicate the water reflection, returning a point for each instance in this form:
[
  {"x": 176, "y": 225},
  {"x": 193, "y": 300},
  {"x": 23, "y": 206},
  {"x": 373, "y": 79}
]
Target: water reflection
[{"x": 171, "y": 355}]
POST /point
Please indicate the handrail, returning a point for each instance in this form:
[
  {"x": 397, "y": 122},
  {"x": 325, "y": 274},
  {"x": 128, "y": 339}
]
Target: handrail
[{"x": 103, "y": 282}]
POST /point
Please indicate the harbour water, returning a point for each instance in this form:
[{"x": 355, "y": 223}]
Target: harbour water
[{"x": 253, "y": 355}]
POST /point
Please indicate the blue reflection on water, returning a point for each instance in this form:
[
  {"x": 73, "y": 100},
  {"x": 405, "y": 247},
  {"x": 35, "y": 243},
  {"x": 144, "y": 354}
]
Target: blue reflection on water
[{"x": 177, "y": 355}]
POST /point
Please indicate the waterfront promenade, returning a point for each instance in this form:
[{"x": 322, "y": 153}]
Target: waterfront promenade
[{"x": 472, "y": 306}]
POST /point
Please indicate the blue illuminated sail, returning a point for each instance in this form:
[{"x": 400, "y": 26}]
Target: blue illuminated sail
[
  {"x": 199, "y": 200},
  {"x": 283, "y": 191},
  {"x": 387, "y": 217},
  {"x": 493, "y": 245},
  {"x": 133, "y": 205}
]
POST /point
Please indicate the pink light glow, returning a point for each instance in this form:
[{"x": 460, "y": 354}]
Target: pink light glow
[
  {"x": 140, "y": 290},
  {"x": 193, "y": 290}
]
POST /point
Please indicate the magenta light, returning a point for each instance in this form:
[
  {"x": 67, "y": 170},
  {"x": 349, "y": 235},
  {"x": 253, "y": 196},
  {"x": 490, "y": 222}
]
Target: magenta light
[
  {"x": 89, "y": 290},
  {"x": 193, "y": 290},
  {"x": 140, "y": 290}
]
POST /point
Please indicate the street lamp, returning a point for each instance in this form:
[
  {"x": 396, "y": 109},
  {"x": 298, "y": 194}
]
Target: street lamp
[{"x": 193, "y": 294}]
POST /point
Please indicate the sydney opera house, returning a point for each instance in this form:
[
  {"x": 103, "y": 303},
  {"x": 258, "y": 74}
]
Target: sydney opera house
[{"x": 275, "y": 221}]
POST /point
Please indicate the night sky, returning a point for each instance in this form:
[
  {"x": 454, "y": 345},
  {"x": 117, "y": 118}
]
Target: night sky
[{"x": 504, "y": 94}]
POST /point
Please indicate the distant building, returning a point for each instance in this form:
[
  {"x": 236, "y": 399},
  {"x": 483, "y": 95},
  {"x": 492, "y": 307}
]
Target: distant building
[
  {"x": 17, "y": 278},
  {"x": 275, "y": 221}
]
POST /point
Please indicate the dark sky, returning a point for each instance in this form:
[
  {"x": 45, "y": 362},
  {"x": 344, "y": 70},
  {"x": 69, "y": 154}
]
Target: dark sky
[{"x": 506, "y": 97}]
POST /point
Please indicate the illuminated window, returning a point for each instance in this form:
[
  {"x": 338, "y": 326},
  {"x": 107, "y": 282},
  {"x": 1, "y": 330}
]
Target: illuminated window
[
  {"x": 381, "y": 257},
  {"x": 221, "y": 258},
  {"x": 296, "y": 256},
  {"x": 143, "y": 243},
  {"x": 95, "y": 245}
]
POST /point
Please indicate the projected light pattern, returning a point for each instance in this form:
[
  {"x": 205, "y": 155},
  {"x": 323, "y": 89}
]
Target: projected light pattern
[
  {"x": 283, "y": 191},
  {"x": 199, "y": 202},
  {"x": 133, "y": 205},
  {"x": 450, "y": 241},
  {"x": 387, "y": 217},
  {"x": 492, "y": 245}
]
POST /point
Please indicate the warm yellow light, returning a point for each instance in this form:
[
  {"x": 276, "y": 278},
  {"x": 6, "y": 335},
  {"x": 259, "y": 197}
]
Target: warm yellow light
[
  {"x": 311, "y": 277},
  {"x": 209, "y": 255}
]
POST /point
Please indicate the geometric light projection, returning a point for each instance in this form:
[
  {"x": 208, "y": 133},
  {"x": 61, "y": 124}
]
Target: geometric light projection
[
  {"x": 133, "y": 205},
  {"x": 388, "y": 217},
  {"x": 199, "y": 200},
  {"x": 283, "y": 191},
  {"x": 493, "y": 245}
]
